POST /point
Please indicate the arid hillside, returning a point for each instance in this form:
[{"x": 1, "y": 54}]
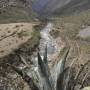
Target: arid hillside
[
  {"x": 46, "y": 7},
  {"x": 16, "y": 11}
]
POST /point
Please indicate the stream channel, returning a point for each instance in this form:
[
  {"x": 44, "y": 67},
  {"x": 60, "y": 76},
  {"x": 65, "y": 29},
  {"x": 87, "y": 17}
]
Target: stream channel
[{"x": 53, "y": 48}]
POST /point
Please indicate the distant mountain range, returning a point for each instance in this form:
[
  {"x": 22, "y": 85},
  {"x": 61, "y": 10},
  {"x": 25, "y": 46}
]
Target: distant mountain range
[
  {"x": 60, "y": 6},
  {"x": 44, "y": 7}
]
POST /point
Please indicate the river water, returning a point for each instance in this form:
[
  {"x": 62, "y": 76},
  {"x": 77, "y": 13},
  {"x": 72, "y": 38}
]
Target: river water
[
  {"x": 47, "y": 39},
  {"x": 53, "y": 45},
  {"x": 53, "y": 50}
]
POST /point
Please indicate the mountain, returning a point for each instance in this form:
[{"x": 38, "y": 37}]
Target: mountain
[
  {"x": 45, "y": 7},
  {"x": 16, "y": 11}
]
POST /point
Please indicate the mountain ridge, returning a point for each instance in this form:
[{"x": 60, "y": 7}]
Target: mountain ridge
[
  {"x": 16, "y": 11},
  {"x": 60, "y": 6}
]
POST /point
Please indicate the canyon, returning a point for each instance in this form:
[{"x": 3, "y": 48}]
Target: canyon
[{"x": 28, "y": 26}]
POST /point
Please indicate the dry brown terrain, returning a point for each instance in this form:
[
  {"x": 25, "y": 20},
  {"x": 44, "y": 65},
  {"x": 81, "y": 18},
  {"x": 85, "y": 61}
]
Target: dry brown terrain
[
  {"x": 13, "y": 35},
  {"x": 68, "y": 28}
]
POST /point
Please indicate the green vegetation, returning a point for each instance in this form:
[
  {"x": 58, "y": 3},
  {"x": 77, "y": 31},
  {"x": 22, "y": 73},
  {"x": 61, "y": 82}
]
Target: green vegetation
[
  {"x": 40, "y": 26},
  {"x": 44, "y": 75},
  {"x": 59, "y": 78},
  {"x": 32, "y": 42}
]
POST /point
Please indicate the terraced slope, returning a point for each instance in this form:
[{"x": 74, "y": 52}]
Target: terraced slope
[{"x": 75, "y": 6}]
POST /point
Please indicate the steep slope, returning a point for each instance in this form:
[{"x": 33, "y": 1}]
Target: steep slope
[
  {"x": 16, "y": 11},
  {"x": 75, "y": 6},
  {"x": 60, "y": 6},
  {"x": 16, "y": 33}
]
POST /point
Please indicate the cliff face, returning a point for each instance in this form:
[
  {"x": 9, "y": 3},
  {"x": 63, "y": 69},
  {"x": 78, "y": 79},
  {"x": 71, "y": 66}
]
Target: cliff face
[{"x": 48, "y": 6}]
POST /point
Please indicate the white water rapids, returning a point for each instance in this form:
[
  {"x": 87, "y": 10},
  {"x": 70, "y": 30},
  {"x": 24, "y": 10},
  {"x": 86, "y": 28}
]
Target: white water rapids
[
  {"x": 53, "y": 50},
  {"x": 47, "y": 39}
]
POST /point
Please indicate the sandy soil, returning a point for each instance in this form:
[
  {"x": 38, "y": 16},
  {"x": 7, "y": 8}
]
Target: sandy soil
[{"x": 13, "y": 35}]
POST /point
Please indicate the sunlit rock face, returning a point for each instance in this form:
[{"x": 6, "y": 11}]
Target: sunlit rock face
[{"x": 50, "y": 6}]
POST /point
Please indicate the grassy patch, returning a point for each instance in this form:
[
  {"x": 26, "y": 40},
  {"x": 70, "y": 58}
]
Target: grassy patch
[
  {"x": 23, "y": 33},
  {"x": 40, "y": 26},
  {"x": 32, "y": 43}
]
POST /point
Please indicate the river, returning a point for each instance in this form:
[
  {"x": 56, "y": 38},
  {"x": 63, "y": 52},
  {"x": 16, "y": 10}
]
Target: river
[
  {"x": 53, "y": 45},
  {"x": 53, "y": 49}
]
